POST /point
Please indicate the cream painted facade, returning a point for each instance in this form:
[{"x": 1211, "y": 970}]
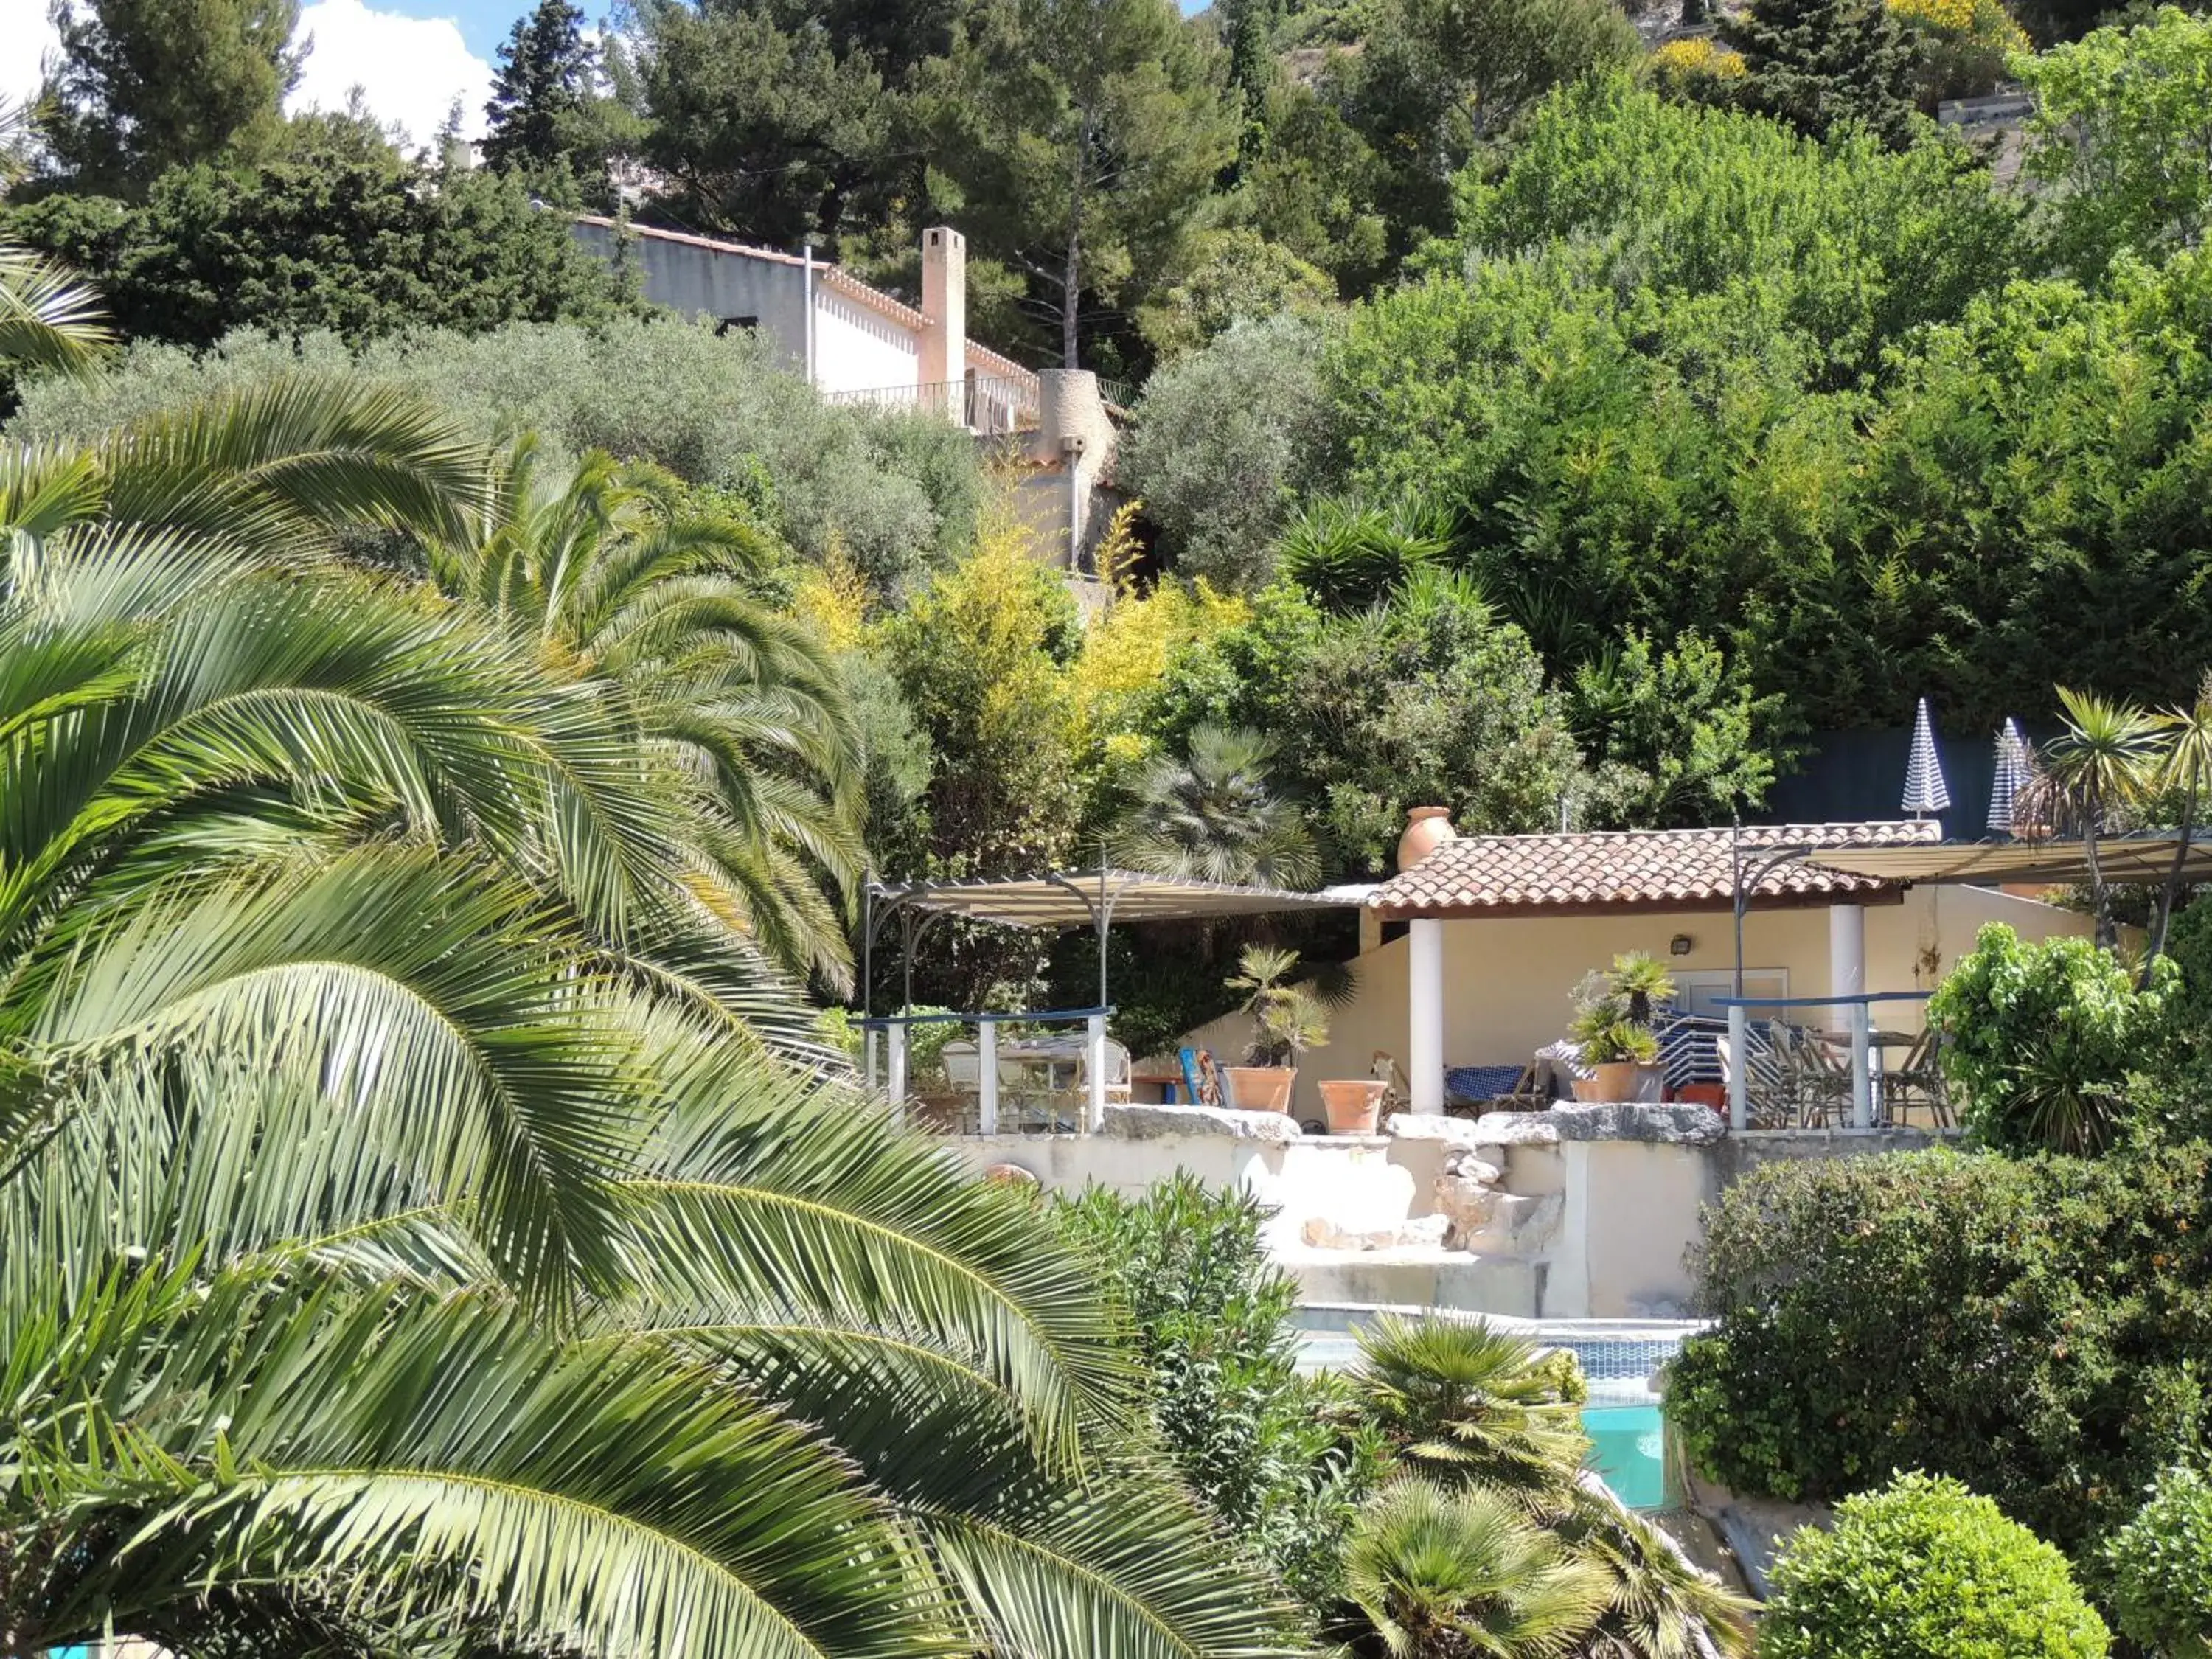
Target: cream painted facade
[{"x": 1508, "y": 982}]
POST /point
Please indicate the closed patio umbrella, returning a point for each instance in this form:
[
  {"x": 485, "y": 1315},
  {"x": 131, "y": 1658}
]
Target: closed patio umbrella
[
  {"x": 1925, "y": 794},
  {"x": 2016, "y": 767}
]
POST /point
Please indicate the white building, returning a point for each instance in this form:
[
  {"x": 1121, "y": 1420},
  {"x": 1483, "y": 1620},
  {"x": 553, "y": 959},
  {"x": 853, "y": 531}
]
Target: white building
[{"x": 851, "y": 340}]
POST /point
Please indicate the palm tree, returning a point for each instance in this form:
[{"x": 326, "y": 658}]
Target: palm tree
[
  {"x": 2184, "y": 768},
  {"x": 2101, "y": 766},
  {"x": 1658, "y": 1606},
  {"x": 400, "y": 1252},
  {"x": 1461, "y": 1400},
  {"x": 1465, "y": 1574},
  {"x": 1213, "y": 815},
  {"x": 599, "y": 569},
  {"x": 49, "y": 320}
]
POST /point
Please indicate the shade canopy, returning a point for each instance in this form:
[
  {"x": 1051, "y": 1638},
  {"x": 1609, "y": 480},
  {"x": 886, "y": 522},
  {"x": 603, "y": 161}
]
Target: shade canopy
[
  {"x": 1926, "y": 791},
  {"x": 2121, "y": 859},
  {"x": 2013, "y": 772},
  {"x": 1079, "y": 898}
]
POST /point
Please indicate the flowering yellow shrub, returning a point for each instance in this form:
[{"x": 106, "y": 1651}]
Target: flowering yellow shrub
[
  {"x": 1699, "y": 56},
  {"x": 1128, "y": 651},
  {"x": 1984, "y": 22},
  {"x": 834, "y": 599}
]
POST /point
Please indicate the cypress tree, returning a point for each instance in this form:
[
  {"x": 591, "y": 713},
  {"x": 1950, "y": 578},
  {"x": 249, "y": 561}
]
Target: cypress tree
[
  {"x": 1820, "y": 64},
  {"x": 542, "y": 86}
]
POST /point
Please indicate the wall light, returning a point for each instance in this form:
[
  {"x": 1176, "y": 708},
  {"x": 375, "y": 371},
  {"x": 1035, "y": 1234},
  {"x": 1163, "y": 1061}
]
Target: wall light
[{"x": 1680, "y": 946}]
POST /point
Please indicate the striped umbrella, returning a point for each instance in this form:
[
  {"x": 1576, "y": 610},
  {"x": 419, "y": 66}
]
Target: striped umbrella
[
  {"x": 1924, "y": 791},
  {"x": 2016, "y": 767}
]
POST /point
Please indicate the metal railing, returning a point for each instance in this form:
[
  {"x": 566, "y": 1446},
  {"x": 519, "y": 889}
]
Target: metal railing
[
  {"x": 1861, "y": 1075},
  {"x": 992, "y": 406},
  {"x": 893, "y": 1028}
]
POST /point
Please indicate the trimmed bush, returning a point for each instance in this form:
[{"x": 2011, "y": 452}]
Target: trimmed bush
[
  {"x": 2161, "y": 1566},
  {"x": 2033, "y": 1328},
  {"x": 1924, "y": 1569},
  {"x": 2042, "y": 1039}
]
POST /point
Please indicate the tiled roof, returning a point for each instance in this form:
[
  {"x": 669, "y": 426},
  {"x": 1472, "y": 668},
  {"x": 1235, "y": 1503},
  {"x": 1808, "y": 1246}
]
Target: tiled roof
[{"x": 1631, "y": 869}]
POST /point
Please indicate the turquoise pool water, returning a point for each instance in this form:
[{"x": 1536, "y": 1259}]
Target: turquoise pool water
[
  {"x": 1628, "y": 1437},
  {"x": 1628, "y": 1449}
]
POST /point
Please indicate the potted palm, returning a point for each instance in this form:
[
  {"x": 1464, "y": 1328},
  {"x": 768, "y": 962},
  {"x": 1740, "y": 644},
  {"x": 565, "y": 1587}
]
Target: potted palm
[
  {"x": 1287, "y": 1021},
  {"x": 1613, "y": 1026}
]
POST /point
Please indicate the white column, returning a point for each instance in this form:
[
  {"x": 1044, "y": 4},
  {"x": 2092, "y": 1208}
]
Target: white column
[
  {"x": 1846, "y": 959},
  {"x": 897, "y": 1087},
  {"x": 1094, "y": 1111},
  {"x": 1738, "y": 1078},
  {"x": 1424, "y": 1008},
  {"x": 986, "y": 1078},
  {"x": 868, "y": 1059},
  {"x": 1861, "y": 1074}
]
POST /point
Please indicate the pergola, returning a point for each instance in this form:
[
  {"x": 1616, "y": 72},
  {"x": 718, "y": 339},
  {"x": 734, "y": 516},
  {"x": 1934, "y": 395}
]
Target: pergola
[
  {"x": 2146, "y": 858},
  {"x": 1058, "y": 900}
]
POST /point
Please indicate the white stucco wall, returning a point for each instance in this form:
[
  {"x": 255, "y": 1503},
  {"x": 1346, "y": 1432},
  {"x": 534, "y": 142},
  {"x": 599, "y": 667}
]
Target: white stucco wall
[
  {"x": 703, "y": 282},
  {"x": 859, "y": 348}
]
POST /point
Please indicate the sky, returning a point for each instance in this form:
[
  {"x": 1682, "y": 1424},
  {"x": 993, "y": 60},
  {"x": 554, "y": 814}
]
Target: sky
[{"x": 410, "y": 57}]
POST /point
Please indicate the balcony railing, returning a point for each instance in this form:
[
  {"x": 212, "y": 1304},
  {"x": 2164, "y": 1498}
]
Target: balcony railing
[{"x": 991, "y": 406}]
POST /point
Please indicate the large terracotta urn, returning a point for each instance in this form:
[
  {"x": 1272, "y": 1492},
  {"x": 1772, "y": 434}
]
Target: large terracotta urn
[
  {"x": 1259, "y": 1088},
  {"x": 1427, "y": 827},
  {"x": 1352, "y": 1104}
]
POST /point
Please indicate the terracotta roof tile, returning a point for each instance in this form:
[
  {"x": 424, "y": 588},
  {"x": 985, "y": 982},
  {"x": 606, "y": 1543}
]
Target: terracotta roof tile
[{"x": 1641, "y": 869}]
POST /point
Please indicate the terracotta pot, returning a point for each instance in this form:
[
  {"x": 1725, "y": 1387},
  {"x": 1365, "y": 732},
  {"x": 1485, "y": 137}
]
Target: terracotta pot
[
  {"x": 1352, "y": 1104},
  {"x": 1259, "y": 1088},
  {"x": 1616, "y": 1080},
  {"x": 1427, "y": 827}
]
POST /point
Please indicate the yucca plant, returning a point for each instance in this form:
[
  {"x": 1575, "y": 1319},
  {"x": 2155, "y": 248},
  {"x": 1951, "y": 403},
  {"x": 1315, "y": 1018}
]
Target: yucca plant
[{"x": 2091, "y": 776}]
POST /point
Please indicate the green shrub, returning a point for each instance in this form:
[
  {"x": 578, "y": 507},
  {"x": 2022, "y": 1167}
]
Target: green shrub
[
  {"x": 2161, "y": 1566},
  {"x": 1281, "y": 1458},
  {"x": 1924, "y": 1569},
  {"x": 2032, "y": 1327},
  {"x": 2041, "y": 1039}
]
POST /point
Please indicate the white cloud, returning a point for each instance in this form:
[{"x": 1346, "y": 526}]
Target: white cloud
[
  {"x": 409, "y": 69},
  {"x": 26, "y": 37}
]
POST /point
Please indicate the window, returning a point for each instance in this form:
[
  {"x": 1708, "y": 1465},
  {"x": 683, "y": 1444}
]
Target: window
[{"x": 1700, "y": 991}]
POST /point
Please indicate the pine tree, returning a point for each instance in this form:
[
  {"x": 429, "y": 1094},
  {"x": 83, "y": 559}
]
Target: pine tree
[
  {"x": 141, "y": 86},
  {"x": 543, "y": 85},
  {"x": 1820, "y": 63}
]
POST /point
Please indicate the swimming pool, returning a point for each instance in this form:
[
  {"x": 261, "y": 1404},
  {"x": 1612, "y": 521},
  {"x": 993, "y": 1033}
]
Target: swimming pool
[{"x": 1620, "y": 1361}]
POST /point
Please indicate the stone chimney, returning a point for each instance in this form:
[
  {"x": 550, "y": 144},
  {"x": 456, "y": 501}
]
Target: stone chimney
[{"x": 945, "y": 303}]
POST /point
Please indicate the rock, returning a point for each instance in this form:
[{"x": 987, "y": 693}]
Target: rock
[
  {"x": 1684, "y": 1124},
  {"x": 1464, "y": 1161},
  {"x": 1426, "y": 1232},
  {"x": 1009, "y": 1174},
  {"x": 1516, "y": 1128},
  {"x": 1516, "y": 1226},
  {"x": 1465, "y": 1202},
  {"x": 1428, "y": 1126},
  {"x": 1155, "y": 1122}
]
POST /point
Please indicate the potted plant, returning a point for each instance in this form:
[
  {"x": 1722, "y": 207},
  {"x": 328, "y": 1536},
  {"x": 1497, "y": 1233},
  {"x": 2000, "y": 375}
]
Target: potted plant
[
  {"x": 1613, "y": 1026},
  {"x": 1287, "y": 1021}
]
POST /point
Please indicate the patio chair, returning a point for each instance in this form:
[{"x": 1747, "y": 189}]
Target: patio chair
[
  {"x": 1917, "y": 1081},
  {"x": 1769, "y": 1102},
  {"x": 1397, "y": 1088},
  {"x": 1117, "y": 1075},
  {"x": 1202, "y": 1078},
  {"x": 1820, "y": 1077}
]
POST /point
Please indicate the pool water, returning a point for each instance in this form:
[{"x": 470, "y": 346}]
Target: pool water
[{"x": 1628, "y": 1449}]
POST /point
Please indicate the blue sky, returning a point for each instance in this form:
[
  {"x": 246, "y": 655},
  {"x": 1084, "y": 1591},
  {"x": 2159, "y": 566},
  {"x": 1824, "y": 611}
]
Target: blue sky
[{"x": 484, "y": 23}]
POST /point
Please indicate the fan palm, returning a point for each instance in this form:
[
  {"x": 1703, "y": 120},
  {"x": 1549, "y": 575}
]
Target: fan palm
[
  {"x": 1213, "y": 815},
  {"x": 597, "y": 569},
  {"x": 384, "y": 1264},
  {"x": 1658, "y": 1606},
  {"x": 1462, "y": 1400},
  {"x": 2106, "y": 760},
  {"x": 1464, "y": 1574}
]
